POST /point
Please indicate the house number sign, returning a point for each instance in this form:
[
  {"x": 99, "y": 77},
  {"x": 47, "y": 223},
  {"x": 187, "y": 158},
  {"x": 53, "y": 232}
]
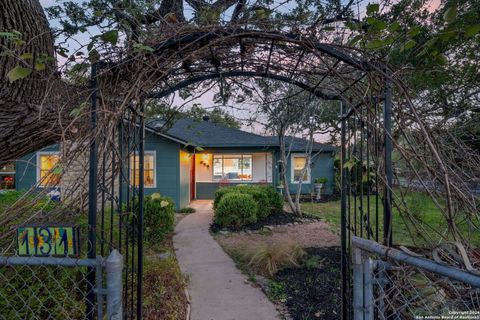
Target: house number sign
[{"x": 47, "y": 241}]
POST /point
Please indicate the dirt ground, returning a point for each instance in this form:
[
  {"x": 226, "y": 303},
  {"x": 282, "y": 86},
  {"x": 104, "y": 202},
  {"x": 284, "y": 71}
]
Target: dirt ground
[{"x": 313, "y": 234}]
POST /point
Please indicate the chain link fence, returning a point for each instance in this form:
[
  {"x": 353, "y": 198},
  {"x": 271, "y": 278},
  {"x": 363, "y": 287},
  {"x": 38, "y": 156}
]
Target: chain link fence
[
  {"x": 58, "y": 288},
  {"x": 398, "y": 284}
]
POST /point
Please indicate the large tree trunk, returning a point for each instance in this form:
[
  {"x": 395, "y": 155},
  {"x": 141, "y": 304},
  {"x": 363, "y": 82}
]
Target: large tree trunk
[
  {"x": 35, "y": 111},
  {"x": 31, "y": 109}
]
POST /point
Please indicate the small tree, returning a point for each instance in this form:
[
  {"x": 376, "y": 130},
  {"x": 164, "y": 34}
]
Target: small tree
[{"x": 294, "y": 115}]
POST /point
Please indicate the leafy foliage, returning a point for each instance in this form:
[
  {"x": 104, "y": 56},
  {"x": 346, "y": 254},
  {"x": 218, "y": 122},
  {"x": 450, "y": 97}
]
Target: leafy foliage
[
  {"x": 18, "y": 73},
  {"x": 30, "y": 204},
  {"x": 275, "y": 199},
  {"x": 159, "y": 217},
  {"x": 45, "y": 289},
  {"x": 235, "y": 210},
  {"x": 267, "y": 198},
  {"x": 196, "y": 112},
  {"x": 276, "y": 291}
]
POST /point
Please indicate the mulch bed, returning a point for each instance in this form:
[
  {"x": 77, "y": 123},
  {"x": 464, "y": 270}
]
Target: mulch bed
[
  {"x": 275, "y": 219},
  {"x": 314, "y": 292}
]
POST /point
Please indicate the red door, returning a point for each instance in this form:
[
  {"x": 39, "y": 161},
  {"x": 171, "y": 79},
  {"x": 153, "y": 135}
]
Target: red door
[{"x": 192, "y": 177}]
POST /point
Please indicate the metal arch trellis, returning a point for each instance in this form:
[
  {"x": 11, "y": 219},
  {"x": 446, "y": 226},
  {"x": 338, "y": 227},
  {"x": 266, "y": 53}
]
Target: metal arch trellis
[{"x": 361, "y": 122}]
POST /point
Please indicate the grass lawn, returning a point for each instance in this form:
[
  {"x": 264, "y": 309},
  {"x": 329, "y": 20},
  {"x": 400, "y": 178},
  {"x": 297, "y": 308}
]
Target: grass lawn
[{"x": 428, "y": 222}]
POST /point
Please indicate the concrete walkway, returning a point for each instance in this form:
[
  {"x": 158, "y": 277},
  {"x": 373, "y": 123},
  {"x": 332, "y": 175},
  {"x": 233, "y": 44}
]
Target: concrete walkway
[{"x": 218, "y": 290}]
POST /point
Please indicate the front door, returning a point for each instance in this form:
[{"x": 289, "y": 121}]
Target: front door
[{"x": 192, "y": 177}]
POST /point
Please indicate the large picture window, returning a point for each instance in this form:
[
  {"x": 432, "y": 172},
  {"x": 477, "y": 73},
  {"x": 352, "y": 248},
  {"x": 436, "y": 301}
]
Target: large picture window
[
  {"x": 48, "y": 171},
  {"x": 7, "y": 176},
  {"x": 298, "y": 164},
  {"x": 232, "y": 167},
  {"x": 149, "y": 170}
]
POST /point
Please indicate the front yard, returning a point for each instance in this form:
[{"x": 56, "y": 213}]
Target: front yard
[
  {"x": 295, "y": 261},
  {"x": 427, "y": 218},
  {"x": 297, "y": 266}
]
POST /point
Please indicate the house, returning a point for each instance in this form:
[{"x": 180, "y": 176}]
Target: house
[{"x": 192, "y": 159}]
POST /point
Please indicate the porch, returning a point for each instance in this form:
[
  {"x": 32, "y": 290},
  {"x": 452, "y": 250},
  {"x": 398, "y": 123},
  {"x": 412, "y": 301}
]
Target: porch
[{"x": 212, "y": 170}]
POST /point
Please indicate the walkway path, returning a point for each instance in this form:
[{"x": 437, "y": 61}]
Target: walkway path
[{"x": 218, "y": 290}]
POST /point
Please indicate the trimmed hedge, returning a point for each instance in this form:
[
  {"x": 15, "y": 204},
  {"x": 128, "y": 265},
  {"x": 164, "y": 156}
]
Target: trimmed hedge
[
  {"x": 159, "y": 217},
  {"x": 259, "y": 195},
  {"x": 236, "y": 209},
  {"x": 267, "y": 198},
  {"x": 275, "y": 199}
]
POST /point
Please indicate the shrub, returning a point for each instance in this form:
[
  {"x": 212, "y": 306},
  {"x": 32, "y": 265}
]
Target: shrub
[
  {"x": 187, "y": 210},
  {"x": 260, "y": 196},
  {"x": 275, "y": 199},
  {"x": 267, "y": 260},
  {"x": 267, "y": 198},
  {"x": 159, "y": 217},
  {"x": 9, "y": 197},
  {"x": 236, "y": 210},
  {"x": 220, "y": 193}
]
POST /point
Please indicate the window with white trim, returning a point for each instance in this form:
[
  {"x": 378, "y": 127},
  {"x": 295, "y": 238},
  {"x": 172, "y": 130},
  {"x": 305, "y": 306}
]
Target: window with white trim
[
  {"x": 48, "y": 173},
  {"x": 7, "y": 176},
  {"x": 298, "y": 165},
  {"x": 232, "y": 167},
  {"x": 149, "y": 169}
]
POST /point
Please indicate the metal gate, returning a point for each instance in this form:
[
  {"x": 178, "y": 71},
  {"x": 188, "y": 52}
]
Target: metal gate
[
  {"x": 116, "y": 193},
  {"x": 366, "y": 179}
]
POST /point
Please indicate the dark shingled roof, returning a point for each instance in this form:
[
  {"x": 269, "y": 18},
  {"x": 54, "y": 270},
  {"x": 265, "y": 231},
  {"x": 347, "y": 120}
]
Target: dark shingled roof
[{"x": 209, "y": 134}]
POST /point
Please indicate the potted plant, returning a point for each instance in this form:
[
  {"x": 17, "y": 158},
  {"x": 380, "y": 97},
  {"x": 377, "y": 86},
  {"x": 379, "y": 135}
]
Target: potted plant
[{"x": 318, "y": 185}]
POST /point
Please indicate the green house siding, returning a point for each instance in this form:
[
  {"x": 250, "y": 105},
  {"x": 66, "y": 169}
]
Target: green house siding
[
  {"x": 167, "y": 167},
  {"x": 322, "y": 167},
  {"x": 26, "y": 169}
]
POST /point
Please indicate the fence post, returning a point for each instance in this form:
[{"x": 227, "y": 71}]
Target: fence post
[
  {"x": 344, "y": 220},
  {"x": 358, "y": 303},
  {"x": 368, "y": 285},
  {"x": 114, "y": 268}
]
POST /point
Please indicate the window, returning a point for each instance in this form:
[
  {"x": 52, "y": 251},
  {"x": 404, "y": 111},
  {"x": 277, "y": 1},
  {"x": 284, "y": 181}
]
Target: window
[
  {"x": 7, "y": 176},
  {"x": 48, "y": 172},
  {"x": 148, "y": 169},
  {"x": 298, "y": 164},
  {"x": 232, "y": 167}
]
